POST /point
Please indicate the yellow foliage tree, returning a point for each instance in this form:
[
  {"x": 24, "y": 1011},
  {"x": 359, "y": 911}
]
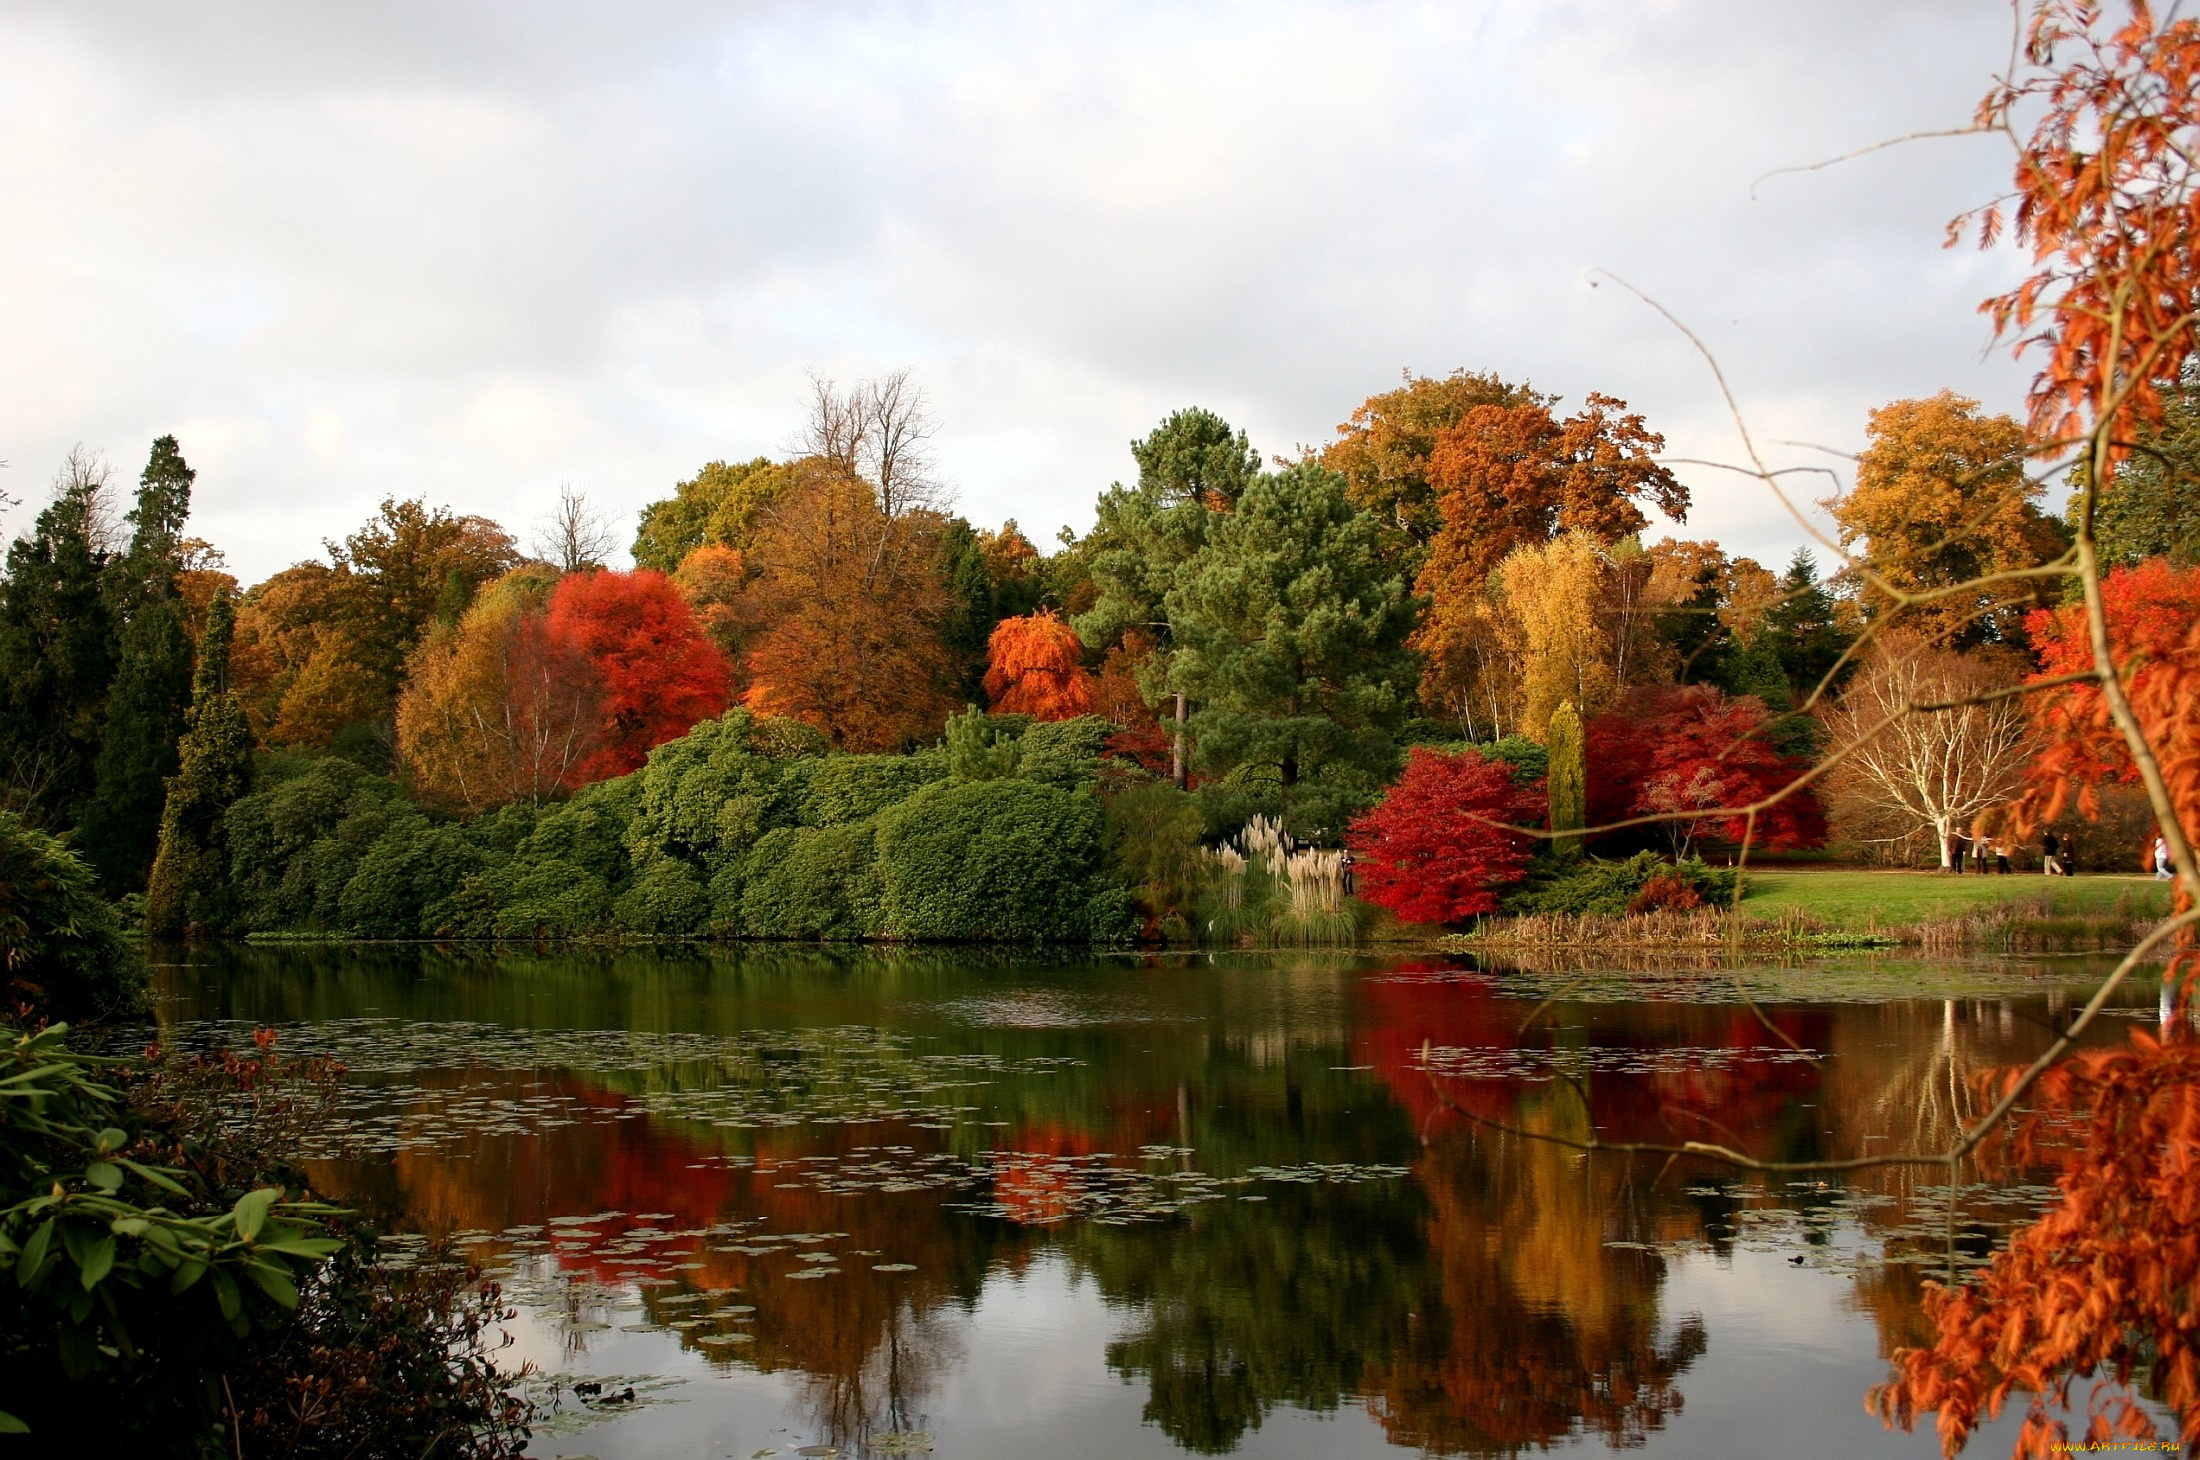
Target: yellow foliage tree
[
  {"x": 1552, "y": 595},
  {"x": 1941, "y": 498}
]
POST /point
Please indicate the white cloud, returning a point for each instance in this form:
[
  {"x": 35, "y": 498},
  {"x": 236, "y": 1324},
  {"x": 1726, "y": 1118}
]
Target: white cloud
[{"x": 471, "y": 251}]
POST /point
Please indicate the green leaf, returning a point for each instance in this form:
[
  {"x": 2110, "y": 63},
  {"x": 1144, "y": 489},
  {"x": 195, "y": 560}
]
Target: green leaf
[
  {"x": 152, "y": 1176},
  {"x": 226, "y": 1295},
  {"x": 310, "y": 1248},
  {"x": 111, "y": 1141},
  {"x": 129, "y": 1226},
  {"x": 10, "y": 1425},
  {"x": 103, "y": 1175},
  {"x": 251, "y": 1211},
  {"x": 189, "y": 1271},
  {"x": 98, "y": 1263},
  {"x": 33, "y": 1260},
  {"x": 275, "y": 1283}
]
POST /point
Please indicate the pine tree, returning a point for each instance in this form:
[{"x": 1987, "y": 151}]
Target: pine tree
[
  {"x": 152, "y": 687},
  {"x": 57, "y": 654},
  {"x": 1804, "y": 627},
  {"x": 189, "y": 883},
  {"x": 1290, "y": 636},
  {"x": 1568, "y": 782}
]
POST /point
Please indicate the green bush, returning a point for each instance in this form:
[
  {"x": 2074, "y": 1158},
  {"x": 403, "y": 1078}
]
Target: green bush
[
  {"x": 848, "y": 788},
  {"x": 406, "y": 884},
  {"x": 1153, "y": 841},
  {"x": 551, "y": 898},
  {"x": 1064, "y": 753},
  {"x": 1530, "y": 762},
  {"x": 813, "y": 882},
  {"x": 999, "y": 861},
  {"x": 63, "y": 952},
  {"x": 665, "y": 900},
  {"x": 1606, "y": 888}
]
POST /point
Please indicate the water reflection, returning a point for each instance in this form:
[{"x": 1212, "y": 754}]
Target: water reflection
[{"x": 1308, "y": 1185}]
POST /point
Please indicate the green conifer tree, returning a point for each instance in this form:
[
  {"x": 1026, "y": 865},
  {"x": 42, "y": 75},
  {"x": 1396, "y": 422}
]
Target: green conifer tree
[
  {"x": 57, "y": 654},
  {"x": 188, "y": 887},
  {"x": 1804, "y": 627},
  {"x": 1290, "y": 637},
  {"x": 1568, "y": 780},
  {"x": 152, "y": 688}
]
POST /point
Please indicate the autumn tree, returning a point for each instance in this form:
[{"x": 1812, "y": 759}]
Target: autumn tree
[
  {"x": 714, "y": 583},
  {"x": 1441, "y": 843},
  {"x": 991, "y": 576},
  {"x": 189, "y": 882},
  {"x": 293, "y": 667},
  {"x": 656, "y": 673},
  {"x": 1289, "y": 634},
  {"x": 1550, "y": 594},
  {"x": 1517, "y": 476},
  {"x": 1694, "y": 758},
  {"x": 1943, "y": 501},
  {"x": 152, "y": 687},
  {"x": 1896, "y": 773},
  {"x": 412, "y": 566},
  {"x": 498, "y": 709},
  {"x": 57, "y": 650},
  {"x": 1035, "y": 666},
  {"x": 1384, "y": 451},
  {"x": 720, "y": 506},
  {"x": 848, "y": 597}
]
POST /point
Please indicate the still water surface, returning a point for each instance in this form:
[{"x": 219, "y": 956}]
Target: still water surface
[{"x": 974, "y": 1206}]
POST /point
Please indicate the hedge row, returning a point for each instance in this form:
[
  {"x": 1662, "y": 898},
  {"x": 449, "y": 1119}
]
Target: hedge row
[{"x": 742, "y": 828}]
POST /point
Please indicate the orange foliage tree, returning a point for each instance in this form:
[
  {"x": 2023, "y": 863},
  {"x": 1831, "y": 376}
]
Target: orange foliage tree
[
  {"x": 656, "y": 672},
  {"x": 1507, "y": 477},
  {"x": 2107, "y": 198},
  {"x": 499, "y": 709},
  {"x": 1034, "y": 666},
  {"x": 848, "y": 596}
]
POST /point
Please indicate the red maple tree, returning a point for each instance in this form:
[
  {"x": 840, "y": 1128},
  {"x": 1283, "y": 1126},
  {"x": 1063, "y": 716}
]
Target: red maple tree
[
  {"x": 659, "y": 674},
  {"x": 1440, "y": 844},
  {"x": 1671, "y": 750},
  {"x": 1035, "y": 666}
]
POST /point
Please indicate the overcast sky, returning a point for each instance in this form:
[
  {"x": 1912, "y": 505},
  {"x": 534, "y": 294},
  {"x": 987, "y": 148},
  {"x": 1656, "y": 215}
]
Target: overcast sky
[{"x": 471, "y": 251}]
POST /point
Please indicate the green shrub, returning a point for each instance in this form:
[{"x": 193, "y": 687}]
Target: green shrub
[
  {"x": 848, "y": 788},
  {"x": 1064, "y": 753},
  {"x": 63, "y": 951},
  {"x": 1153, "y": 843},
  {"x": 708, "y": 795},
  {"x": 982, "y": 747},
  {"x": 665, "y": 900},
  {"x": 813, "y": 882},
  {"x": 1606, "y": 888},
  {"x": 405, "y": 886},
  {"x": 999, "y": 860},
  {"x": 1530, "y": 762},
  {"x": 551, "y": 898}
]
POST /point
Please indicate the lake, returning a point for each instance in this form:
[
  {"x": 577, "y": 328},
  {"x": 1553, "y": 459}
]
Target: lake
[{"x": 974, "y": 1205}]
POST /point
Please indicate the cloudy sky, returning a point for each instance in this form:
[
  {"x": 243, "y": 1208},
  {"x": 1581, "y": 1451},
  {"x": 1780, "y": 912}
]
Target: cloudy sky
[{"x": 472, "y": 251}]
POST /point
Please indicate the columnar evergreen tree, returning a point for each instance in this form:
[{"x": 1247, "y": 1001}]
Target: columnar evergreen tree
[
  {"x": 1804, "y": 626},
  {"x": 1569, "y": 780},
  {"x": 190, "y": 870},
  {"x": 152, "y": 687},
  {"x": 57, "y": 653},
  {"x": 1290, "y": 638}
]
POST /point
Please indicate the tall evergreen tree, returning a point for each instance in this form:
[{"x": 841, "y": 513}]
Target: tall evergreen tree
[
  {"x": 188, "y": 887},
  {"x": 1804, "y": 627},
  {"x": 1568, "y": 780},
  {"x": 1290, "y": 638},
  {"x": 1191, "y": 468},
  {"x": 152, "y": 689},
  {"x": 57, "y": 653}
]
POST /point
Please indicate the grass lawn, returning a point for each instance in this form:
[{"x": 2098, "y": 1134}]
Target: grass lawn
[{"x": 1851, "y": 899}]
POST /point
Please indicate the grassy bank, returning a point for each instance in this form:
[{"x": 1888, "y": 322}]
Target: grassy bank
[{"x": 1831, "y": 911}]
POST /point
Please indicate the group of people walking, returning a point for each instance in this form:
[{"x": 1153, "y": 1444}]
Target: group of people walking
[{"x": 2058, "y": 855}]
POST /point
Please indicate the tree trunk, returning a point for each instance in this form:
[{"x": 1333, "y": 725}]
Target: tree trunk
[
  {"x": 1941, "y": 834},
  {"x": 1179, "y": 770}
]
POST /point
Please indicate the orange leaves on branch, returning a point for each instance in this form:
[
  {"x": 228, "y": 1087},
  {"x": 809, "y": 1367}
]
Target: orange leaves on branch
[
  {"x": 657, "y": 673},
  {"x": 2154, "y": 636},
  {"x": 1034, "y": 666},
  {"x": 2105, "y": 199},
  {"x": 2100, "y": 1287}
]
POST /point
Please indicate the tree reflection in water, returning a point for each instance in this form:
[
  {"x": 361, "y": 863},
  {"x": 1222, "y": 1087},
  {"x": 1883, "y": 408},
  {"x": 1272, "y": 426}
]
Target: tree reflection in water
[{"x": 1478, "y": 1307}]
